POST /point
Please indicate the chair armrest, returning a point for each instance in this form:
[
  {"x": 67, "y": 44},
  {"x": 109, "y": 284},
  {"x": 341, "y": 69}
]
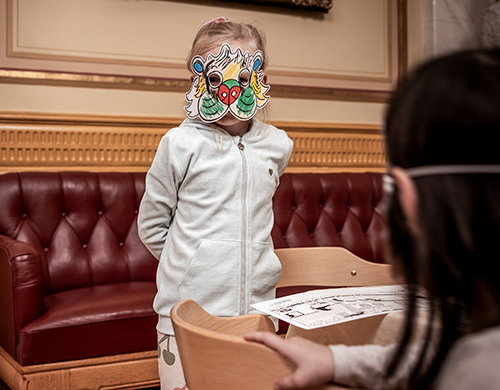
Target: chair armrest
[{"x": 21, "y": 289}]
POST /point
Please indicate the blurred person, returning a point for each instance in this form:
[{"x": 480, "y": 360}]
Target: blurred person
[{"x": 443, "y": 212}]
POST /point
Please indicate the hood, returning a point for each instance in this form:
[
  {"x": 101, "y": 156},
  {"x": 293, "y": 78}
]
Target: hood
[{"x": 258, "y": 129}]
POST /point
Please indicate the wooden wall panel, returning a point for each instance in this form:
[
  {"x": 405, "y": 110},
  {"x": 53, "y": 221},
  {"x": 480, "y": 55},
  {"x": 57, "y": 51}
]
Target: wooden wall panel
[{"x": 103, "y": 143}]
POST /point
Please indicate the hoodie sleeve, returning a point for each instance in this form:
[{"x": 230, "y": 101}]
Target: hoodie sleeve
[
  {"x": 364, "y": 366},
  {"x": 286, "y": 156},
  {"x": 158, "y": 205}
]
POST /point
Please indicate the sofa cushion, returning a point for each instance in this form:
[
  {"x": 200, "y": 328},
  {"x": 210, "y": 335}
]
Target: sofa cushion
[
  {"x": 82, "y": 224},
  {"x": 91, "y": 321},
  {"x": 330, "y": 209}
]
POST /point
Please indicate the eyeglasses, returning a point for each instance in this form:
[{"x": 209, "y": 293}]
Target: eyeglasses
[{"x": 388, "y": 185}]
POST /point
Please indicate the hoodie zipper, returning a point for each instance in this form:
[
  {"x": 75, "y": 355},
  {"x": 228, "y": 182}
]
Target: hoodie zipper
[{"x": 241, "y": 147}]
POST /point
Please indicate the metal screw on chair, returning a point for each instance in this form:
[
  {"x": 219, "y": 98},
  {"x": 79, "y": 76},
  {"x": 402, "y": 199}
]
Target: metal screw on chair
[{"x": 353, "y": 272}]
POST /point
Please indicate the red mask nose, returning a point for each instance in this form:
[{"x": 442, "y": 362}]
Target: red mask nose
[{"x": 227, "y": 95}]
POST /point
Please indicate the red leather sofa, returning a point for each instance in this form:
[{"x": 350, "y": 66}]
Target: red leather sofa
[{"x": 77, "y": 284}]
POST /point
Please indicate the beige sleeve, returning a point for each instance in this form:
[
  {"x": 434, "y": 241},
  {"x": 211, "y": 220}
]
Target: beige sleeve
[{"x": 364, "y": 366}]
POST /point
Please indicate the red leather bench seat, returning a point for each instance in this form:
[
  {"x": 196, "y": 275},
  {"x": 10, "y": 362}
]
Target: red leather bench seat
[{"x": 91, "y": 321}]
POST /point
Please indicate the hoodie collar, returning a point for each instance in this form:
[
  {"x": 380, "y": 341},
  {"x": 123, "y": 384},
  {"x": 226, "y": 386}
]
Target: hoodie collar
[{"x": 256, "y": 131}]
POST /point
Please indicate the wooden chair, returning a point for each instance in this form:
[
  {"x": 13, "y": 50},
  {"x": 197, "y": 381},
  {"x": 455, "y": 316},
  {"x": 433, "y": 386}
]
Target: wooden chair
[
  {"x": 330, "y": 266},
  {"x": 215, "y": 355},
  {"x": 338, "y": 267}
]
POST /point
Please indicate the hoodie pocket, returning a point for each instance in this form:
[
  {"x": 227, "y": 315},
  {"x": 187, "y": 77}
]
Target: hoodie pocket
[
  {"x": 212, "y": 277},
  {"x": 265, "y": 272}
]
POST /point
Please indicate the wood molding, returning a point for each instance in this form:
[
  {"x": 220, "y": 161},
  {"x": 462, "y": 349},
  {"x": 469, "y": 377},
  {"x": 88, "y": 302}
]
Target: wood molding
[
  {"x": 14, "y": 76},
  {"x": 32, "y": 141},
  {"x": 128, "y": 371}
]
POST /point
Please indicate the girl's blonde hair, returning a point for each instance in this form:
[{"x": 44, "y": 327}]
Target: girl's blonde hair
[{"x": 215, "y": 33}]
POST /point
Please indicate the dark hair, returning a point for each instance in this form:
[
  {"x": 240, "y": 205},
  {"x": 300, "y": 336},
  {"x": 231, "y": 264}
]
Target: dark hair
[{"x": 447, "y": 112}]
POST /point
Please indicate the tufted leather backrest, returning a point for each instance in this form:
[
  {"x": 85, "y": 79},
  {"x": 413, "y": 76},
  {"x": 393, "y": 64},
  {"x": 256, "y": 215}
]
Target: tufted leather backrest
[
  {"x": 82, "y": 224},
  {"x": 330, "y": 209}
]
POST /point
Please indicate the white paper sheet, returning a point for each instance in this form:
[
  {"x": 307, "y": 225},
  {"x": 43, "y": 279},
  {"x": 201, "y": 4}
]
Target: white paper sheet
[{"x": 318, "y": 308}]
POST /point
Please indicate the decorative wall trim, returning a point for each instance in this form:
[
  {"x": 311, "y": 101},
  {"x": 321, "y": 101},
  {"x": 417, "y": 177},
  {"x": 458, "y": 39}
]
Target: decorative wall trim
[
  {"x": 9, "y": 76},
  {"x": 337, "y": 152},
  {"x": 102, "y": 143}
]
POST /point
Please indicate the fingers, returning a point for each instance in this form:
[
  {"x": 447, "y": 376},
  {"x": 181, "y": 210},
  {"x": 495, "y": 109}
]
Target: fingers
[
  {"x": 302, "y": 377},
  {"x": 287, "y": 383},
  {"x": 277, "y": 343},
  {"x": 271, "y": 340},
  {"x": 258, "y": 336},
  {"x": 313, "y": 362}
]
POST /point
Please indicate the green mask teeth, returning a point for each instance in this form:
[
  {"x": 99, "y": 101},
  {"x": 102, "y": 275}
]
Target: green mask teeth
[
  {"x": 246, "y": 102},
  {"x": 211, "y": 107}
]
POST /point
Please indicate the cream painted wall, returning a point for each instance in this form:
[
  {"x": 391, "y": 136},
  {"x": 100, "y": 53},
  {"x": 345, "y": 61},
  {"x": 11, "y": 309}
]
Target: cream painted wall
[
  {"x": 48, "y": 99},
  {"x": 52, "y": 99},
  {"x": 415, "y": 22}
]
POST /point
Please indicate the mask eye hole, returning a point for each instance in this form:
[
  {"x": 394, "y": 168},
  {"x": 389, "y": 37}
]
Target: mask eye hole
[
  {"x": 244, "y": 77},
  {"x": 214, "y": 79}
]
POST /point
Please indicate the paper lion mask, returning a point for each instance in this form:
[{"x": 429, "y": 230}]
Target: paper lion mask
[{"x": 230, "y": 81}]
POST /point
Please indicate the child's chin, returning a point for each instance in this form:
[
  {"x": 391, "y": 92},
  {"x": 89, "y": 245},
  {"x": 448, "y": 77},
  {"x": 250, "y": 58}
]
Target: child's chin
[{"x": 228, "y": 120}]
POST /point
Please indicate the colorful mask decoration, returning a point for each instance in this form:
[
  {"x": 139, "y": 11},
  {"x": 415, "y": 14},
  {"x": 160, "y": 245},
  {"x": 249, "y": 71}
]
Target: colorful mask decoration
[{"x": 230, "y": 81}]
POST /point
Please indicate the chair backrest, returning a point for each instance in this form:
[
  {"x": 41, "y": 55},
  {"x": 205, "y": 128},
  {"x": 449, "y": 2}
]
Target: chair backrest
[
  {"x": 215, "y": 355},
  {"x": 308, "y": 268},
  {"x": 330, "y": 267}
]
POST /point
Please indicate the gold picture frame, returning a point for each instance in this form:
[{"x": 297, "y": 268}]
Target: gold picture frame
[{"x": 307, "y": 5}]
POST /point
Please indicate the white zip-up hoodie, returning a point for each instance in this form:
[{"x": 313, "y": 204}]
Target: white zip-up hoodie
[{"x": 207, "y": 216}]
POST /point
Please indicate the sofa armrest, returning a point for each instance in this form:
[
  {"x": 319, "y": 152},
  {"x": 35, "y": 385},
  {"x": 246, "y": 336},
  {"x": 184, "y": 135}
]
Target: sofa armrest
[{"x": 21, "y": 289}]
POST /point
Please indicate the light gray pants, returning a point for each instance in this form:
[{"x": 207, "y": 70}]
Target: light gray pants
[{"x": 169, "y": 364}]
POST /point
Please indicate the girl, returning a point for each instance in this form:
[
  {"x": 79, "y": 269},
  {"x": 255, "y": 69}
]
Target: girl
[
  {"x": 207, "y": 209},
  {"x": 445, "y": 223}
]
